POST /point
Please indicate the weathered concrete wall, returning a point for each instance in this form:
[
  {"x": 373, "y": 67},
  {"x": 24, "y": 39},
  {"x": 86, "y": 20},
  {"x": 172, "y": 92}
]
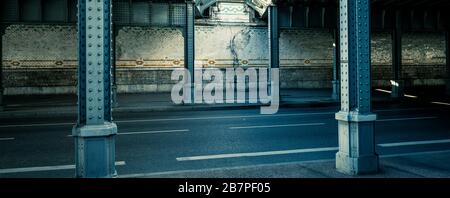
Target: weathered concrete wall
[
  {"x": 423, "y": 59},
  {"x": 42, "y": 58}
]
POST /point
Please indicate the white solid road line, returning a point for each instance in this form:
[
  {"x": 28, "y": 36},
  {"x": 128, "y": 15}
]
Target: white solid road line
[
  {"x": 159, "y": 174},
  {"x": 296, "y": 151},
  {"x": 36, "y": 125},
  {"x": 153, "y": 132},
  {"x": 149, "y": 132},
  {"x": 164, "y": 173},
  {"x": 414, "y": 143},
  {"x": 202, "y": 118},
  {"x": 176, "y": 119},
  {"x": 45, "y": 168},
  {"x": 4, "y": 139},
  {"x": 441, "y": 103},
  {"x": 225, "y": 117},
  {"x": 276, "y": 126},
  {"x": 255, "y": 154},
  {"x": 404, "y": 119},
  {"x": 415, "y": 153}
]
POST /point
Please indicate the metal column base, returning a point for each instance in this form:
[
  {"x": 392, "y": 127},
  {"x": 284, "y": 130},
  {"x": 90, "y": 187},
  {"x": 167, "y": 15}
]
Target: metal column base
[
  {"x": 356, "y": 153},
  {"x": 95, "y": 150},
  {"x": 397, "y": 88},
  {"x": 336, "y": 90}
]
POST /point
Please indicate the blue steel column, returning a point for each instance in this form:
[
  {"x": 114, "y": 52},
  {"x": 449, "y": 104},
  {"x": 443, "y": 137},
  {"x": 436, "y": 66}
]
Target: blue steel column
[
  {"x": 94, "y": 133},
  {"x": 114, "y": 66},
  {"x": 447, "y": 55},
  {"x": 274, "y": 43},
  {"x": 274, "y": 37},
  {"x": 2, "y": 30},
  {"x": 356, "y": 153},
  {"x": 189, "y": 43},
  {"x": 397, "y": 82},
  {"x": 335, "y": 83}
]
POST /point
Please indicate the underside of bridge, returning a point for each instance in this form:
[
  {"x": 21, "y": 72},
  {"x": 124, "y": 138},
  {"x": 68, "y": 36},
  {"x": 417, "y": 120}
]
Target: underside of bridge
[{"x": 101, "y": 48}]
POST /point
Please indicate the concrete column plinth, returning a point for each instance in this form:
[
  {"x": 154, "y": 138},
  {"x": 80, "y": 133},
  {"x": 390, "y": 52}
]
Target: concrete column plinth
[
  {"x": 95, "y": 154},
  {"x": 356, "y": 153}
]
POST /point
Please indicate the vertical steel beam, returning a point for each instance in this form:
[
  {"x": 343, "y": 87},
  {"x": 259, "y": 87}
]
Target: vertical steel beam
[
  {"x": 397, "y": 83},
  {"x": 335, "y": 82},
  {"x": 274, "y": 36},
  {"x": 94, "y": 132},
  {"x": 114, "y": 65},
  {"x": 2, "y": 30},
  {"x": 189, "y": 45},
  {"x": 274, "y": 44},
  {"x": 447, "y": 56},
  {"x": 356, "y": 153}
]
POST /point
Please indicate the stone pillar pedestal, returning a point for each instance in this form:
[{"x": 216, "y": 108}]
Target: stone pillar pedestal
[
  {"x": 95, "y": 154},
  {"x": 356, "y": 153}
]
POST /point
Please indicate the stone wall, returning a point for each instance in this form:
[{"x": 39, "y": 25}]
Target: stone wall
[
  {"x": 40, "y": 59},
  {"x": 423, "y": 59}
]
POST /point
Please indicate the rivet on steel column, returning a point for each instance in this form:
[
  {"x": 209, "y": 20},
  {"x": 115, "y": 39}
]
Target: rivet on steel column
[
  {"x": 94, "y": 132},
  {"x": 274, "y": 40},
  {"x": 356, "y": 153},
  {"x": 189, "y": 46},
  {"x": 2, "y": 31}
]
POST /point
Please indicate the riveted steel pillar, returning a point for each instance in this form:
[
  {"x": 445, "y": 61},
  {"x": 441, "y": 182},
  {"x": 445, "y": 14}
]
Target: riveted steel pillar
[
  {"x": 189, "y": 46},
  {"x": 2, "y": 30},
  {"x": 114, "y": 66},
  {"x": 95, "y": 132},
  {"x": 335, "y": 82},
  {"x": 274, "y": 44},
  {"x": 274, "y": 37},
  {"x": 397, "y": 83},
  {"x": 447, "y": 55},
  {"x": 356, "y": 153}
]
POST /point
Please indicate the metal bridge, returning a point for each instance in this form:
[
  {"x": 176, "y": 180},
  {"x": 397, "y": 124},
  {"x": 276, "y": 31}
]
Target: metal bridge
[{"x": 354, "y": 20}]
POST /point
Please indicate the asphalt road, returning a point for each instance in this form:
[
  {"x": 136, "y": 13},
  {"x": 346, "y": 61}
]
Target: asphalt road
[{"x": 191, "y": 140}]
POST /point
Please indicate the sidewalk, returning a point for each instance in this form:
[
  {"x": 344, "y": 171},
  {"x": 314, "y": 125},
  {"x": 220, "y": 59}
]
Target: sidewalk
[
  {"x": 433, "y": 164},
  {"x": 65, "y": 105}
]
